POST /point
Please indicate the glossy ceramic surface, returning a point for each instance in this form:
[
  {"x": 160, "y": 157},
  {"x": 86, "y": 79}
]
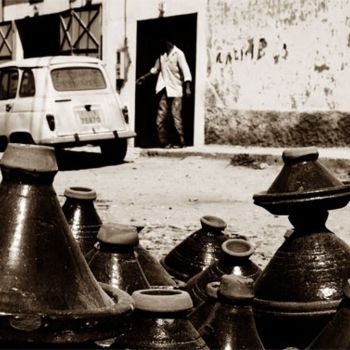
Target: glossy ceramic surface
[
  {"x": 197, "y": 251},
  {"x": 47, "y": 292}
]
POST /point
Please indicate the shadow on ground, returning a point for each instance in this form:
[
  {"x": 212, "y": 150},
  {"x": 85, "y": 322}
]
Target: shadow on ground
[{"x": 77, "y": 160}]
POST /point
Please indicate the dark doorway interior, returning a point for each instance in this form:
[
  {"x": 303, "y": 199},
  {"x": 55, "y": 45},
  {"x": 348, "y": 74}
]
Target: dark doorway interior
[
  {"x": 183, "y": 32},
  {"x": 40, "y": 36}
]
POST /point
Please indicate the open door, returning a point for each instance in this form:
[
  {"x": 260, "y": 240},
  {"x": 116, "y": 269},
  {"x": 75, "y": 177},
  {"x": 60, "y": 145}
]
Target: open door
[{"x": 183, "y": 30}]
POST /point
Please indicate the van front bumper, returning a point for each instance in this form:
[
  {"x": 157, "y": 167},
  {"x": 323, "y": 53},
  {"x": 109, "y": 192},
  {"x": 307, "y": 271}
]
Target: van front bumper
[{"x": 77, "y": 139}]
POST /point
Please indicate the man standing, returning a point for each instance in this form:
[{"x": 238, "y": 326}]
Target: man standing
[{"x": 174, "y": 76}]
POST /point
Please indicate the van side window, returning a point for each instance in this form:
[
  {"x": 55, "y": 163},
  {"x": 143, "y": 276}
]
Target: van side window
[
  {"x": 8, "y": 83},
  {"x": 27, "y": 87}
]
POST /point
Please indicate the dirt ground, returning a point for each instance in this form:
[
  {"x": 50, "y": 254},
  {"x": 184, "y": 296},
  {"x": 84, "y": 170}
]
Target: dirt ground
[{"x": 169, "y": 195}]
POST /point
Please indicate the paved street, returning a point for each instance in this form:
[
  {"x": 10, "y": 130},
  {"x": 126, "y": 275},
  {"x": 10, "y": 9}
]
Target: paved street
[{"x": 169, "y": 195}]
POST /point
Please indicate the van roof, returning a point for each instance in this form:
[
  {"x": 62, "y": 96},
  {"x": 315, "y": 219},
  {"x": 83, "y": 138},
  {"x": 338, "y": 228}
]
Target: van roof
[{"x": 49, "y": 61}]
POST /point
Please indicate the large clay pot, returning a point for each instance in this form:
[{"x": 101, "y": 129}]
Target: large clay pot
[
  {"x": 47, "y": 292},
  {"x": 301, "y": 287},
  {"x": 235, "y": 260},
  {"x": 82, "y": 216},
  {"x": 232, "y": 325},
  {"x": 113, "y": 260},
  {"x": 197, "y": 251},
  {"x": 85, "y": 223},
  {"x": 336, "y": 335},
  {"x": 159, "y": 322}
]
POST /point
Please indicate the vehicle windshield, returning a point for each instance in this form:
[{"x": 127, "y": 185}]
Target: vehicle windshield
[{"x": 77, "y": 78}]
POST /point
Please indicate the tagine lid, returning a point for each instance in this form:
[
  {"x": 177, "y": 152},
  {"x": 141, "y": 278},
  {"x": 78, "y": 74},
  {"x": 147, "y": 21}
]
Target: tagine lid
[
  {"x": 303, "y": 183},
  {"x": 118, "y": 234},
  {"x": 82, "y": 193},
  {"x": 31, "y": 158}
]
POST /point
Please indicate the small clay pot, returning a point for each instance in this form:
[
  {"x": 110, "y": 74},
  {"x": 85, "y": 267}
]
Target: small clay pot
[
  {"x": 113, "y": 260},
  {"x": 159, "y": 322},
  {"x": 82, "y": 216},
  {"x": 235, "y": 260},
  {"x": 231, "y": 325},
  {"x": 197, "y": 251}
]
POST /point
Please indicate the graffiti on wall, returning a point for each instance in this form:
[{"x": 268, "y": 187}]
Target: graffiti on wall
[{"x": 252, "y": 49}]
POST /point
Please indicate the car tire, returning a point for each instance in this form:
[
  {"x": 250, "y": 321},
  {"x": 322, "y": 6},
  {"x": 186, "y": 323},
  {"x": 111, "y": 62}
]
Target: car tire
[{"x": 114, "y": 151}]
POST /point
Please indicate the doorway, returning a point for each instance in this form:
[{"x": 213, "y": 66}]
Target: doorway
[{"x": 183, "y": 31}]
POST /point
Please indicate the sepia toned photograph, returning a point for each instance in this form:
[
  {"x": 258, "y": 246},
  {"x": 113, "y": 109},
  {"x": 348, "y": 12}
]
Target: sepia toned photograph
[{"x": 175, "y": 174}]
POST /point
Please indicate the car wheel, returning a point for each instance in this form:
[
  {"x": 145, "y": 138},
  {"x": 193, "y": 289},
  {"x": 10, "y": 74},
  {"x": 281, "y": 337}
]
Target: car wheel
[{"x": 114, "y": 151}]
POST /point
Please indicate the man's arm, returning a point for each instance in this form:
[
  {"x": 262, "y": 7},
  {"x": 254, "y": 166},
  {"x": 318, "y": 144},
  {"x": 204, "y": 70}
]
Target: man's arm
[
  {"x": 154, "y": 70},
  {"x": 185, "y": 69}
]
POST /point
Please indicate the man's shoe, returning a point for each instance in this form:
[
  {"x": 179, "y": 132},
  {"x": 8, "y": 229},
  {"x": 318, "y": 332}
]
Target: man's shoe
[
  {"x": 168, "y": 146},
  {"x": 178, "y": 146}
]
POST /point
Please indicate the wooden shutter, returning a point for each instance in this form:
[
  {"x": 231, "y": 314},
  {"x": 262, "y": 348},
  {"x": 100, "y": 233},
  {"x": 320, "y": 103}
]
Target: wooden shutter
[
  {"x": 80, "y": 31},
  {"x": 6, "y": 41}
]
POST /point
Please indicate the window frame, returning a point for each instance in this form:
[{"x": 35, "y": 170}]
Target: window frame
[
  {"x": 24, "y": 71},
  {"x": 80, "y": 88}
]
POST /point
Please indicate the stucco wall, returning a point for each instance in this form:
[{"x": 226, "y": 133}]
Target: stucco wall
[{"x": 278, "y": 72}]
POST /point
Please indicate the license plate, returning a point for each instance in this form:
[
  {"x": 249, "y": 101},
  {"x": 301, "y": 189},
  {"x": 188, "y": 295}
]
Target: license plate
[{"x": 89, "y": 117}]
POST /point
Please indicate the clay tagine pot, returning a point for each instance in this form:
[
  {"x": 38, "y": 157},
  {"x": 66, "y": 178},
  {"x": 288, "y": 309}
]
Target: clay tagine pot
[
  {"x": 82, "y": 216},
  {"x": 336, "y": 335},
  {"x": 235, "y": 260},
  {"x": 232, "y": 325},
  {"x": 113, "y": 260},
  {"x": 47, "y": 292},
  {"x": 159, "y": 322},
  {"x": 301, "y": 287},
  {"x": 197, "y": 251},
  {"x": 85, "y": 223}
]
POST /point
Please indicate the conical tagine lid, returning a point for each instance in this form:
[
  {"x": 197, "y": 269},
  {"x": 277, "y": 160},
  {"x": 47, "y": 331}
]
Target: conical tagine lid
[
  {"x": 303, "y": 183},
  {"x": 47, "y": 292}
]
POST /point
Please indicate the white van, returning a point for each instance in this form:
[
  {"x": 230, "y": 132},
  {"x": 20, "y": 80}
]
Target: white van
[{"x": 61, "y": 101}]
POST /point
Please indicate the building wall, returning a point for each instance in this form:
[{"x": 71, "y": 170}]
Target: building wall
[{"x": 278, "y": 72}]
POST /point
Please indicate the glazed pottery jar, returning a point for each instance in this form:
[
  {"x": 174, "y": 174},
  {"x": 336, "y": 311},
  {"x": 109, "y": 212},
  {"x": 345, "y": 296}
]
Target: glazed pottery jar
[
  {"x": 235, "y": 260},
  {"x": 159, "y": 322},
  {"x": 197, "y": 251},
  {"x": 85, "y": 223},
  {"x": 301, "y": 287},
  {"x": 113, "y": 260},
  {"x": 232, "y": 325},
  {"x": 82, "y": 216},
  {"x": 47, "y": 292},
  {"x": 336, "y": 335}
]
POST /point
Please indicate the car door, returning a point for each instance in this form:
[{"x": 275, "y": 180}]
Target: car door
[{"x": 9, "y": 78}]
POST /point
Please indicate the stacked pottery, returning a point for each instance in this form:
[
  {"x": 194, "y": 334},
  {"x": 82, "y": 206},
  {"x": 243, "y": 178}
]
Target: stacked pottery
[
  {"x": 85, "y": 223},
  {"x": 113, "y": 260},
  {"x": 235, "y": 260},
  {"x": 81, "y": 215},
  {"x": 232, "y": 325},
  {"x": 197, "y": 251},
  {"x": 48, "y": 294},
  {"x": 336, "y": 335},
  {"x": 159, "y": 322},
  {"x": 301, "y": 287}
]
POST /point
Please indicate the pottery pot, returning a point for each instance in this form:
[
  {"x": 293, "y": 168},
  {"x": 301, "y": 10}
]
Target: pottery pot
[
  {"x": 197, "y": 251},
  {"x": 82, "y": 216},
  {"x": 47, "y": 291},
  {"x": 301, "y": 287},
  {"x": 113, "y": 260},
  {"x": 231, "y": 325},
  {"x": 159, "y": 322},
  {"x": 336, "y": 335},
  {"x": 235, "y": 260},
  {"x": 85, "y": 223}
]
